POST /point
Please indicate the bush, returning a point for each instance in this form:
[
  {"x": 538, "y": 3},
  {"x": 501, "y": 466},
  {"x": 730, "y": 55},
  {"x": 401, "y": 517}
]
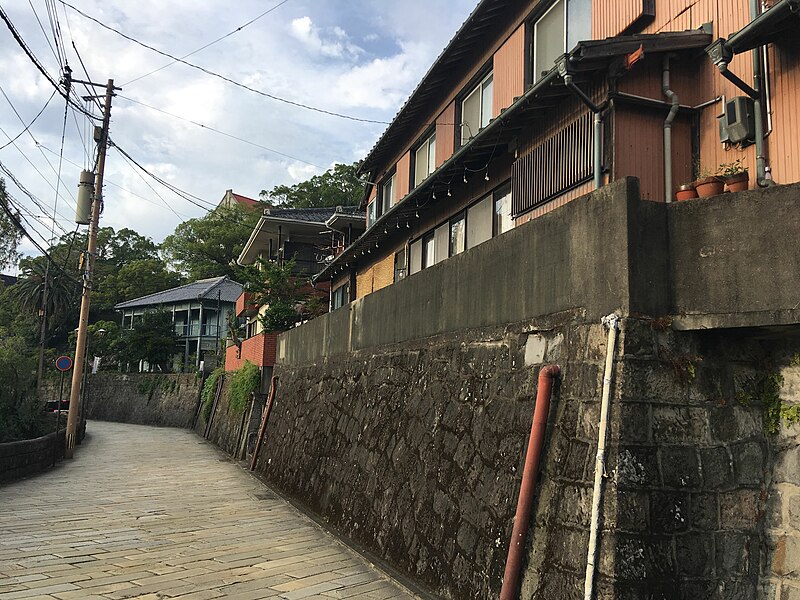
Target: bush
[
  {"x": 244, "y": 382},
  {"x": 209, "y": 388}
]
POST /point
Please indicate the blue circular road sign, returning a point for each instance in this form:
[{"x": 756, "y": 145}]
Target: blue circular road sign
[{"x": 63, "y": 363}]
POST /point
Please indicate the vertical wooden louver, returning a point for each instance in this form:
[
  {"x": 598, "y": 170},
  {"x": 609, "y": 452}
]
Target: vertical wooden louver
[{"x": 556, "y": 165}]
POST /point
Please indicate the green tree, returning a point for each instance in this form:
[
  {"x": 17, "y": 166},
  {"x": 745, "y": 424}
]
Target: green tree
[
  {"x": 10, "y": 233},
  {"x": 286, "y": 299},
  {"x": 209, "y": 246},
  {"x": 132, "y": 280},
  {"x": 338, "y": 186},
  {"x": 152, "y": 339}
]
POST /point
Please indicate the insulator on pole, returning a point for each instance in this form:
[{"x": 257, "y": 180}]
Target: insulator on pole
[{"x": 83, "y": 211}]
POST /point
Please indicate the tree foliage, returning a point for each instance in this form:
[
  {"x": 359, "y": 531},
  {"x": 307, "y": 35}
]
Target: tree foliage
[
  {"x": 208, "y": 246},
  {"x": 285, "y": 298},
  {"x": 10, "y": 234},
  {"x": 152, "y": 339},
  {"x": 338, "y": 186}
]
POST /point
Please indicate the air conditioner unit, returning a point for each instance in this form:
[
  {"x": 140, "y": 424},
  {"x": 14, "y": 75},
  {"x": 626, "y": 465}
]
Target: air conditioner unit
[{"x": 738, "y": 123}]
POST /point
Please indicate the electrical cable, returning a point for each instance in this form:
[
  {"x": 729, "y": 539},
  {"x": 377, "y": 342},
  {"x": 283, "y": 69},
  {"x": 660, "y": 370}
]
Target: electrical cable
[
  {"x": 58, "y": 176},
  {"x": 40, "y": 205},
  {"x": 223, "y": 77},
  {"x": 219, "y": 39},
  {"x": 39, "y": 65},
  {"x": 28, "y": 126},
  {"x": 47, "y": 39},
  {"x": 215, "y": 130}
]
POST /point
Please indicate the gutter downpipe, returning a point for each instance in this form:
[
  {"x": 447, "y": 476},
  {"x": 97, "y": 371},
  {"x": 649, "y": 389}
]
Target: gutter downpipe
[
  {"x": 761, "y": 161},
  {"x": 597, "y": 141},
  {"x": 516, "y": 547},
  {"x": 673, "y": 112},
  {"x": 612, "y": 322}
]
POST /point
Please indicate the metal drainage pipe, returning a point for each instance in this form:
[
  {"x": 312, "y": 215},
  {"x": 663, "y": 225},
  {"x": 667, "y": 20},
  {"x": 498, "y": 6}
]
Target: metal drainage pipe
[
  {"x": 612, "y": 322},
  {"x": 272, "y": 390},
  {"x": 516, "y": 547},
  {"x": 673, "y": 112}
]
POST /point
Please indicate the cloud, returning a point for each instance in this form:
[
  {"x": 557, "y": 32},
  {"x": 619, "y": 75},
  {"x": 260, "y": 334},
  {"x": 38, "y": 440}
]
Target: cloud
[{"x": 338, "y": 45}]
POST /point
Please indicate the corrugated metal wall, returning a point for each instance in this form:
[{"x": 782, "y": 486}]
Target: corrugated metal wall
[
  {"x": 509, "y": 71},
  {"x": 611, "y": 17},
  {"x": 705, "y": 83},
  {"x": 445, "y": 134},
  {"x": 402, "y": 178}
]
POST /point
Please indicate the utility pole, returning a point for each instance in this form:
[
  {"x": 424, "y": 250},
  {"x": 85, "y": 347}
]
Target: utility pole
[{"x": 88, "y": 266}]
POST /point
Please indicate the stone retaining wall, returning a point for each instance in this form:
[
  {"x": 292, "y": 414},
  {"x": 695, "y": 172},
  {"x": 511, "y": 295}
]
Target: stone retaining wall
[
  {"x": 25, "y": 457},
  {"x": 166, "y": 400}
]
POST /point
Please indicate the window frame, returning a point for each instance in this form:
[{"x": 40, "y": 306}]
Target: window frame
[
  {"x": 536, "y": 76},
  {"x": 534, "y": 17},
  {"x": 499, "y": 193},
  {"x": 372, "y": 214},
  {"x": 380, "y": 197},
  {"x": 459, "y": 216},
  {"x": 475, "y": 88},
  {"x": 425, "y": 143},
  {"x": 426, "y": 239}
]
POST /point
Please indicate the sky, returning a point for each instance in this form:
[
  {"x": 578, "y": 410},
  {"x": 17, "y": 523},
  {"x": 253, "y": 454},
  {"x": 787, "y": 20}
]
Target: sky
[{"x": 359, "y": 58}]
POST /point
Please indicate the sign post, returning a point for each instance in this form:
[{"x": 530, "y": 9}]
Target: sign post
[{"x": 63, "y": 364}]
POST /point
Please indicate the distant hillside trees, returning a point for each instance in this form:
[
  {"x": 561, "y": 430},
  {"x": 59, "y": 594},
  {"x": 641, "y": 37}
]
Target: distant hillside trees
[{"x": 338, "y": 186}]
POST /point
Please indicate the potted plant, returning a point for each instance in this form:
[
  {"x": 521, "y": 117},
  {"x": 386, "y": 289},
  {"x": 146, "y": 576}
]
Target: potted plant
[
  {"x": 709, "y": 184},
  {"x": 736, "y": 177},
  {"x": 686, "y": 192}
]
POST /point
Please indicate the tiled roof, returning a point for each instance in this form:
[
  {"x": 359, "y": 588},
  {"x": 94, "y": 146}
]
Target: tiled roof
[
  {"x": 313, "y": 215},
  {"x": 245, "y": 200},
  {"x": 207, "y": 289}
]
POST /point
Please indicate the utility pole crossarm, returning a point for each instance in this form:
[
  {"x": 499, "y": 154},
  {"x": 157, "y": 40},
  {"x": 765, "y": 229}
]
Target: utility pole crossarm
[{"x": 86, "y": 297}]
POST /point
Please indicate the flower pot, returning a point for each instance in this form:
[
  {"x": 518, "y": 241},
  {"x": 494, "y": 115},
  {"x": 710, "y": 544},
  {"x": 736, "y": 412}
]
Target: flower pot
[
  {"x": 685, "y": 192},
  {"x": 737, "y": 183},
  {"x": 709, "y": 186}
]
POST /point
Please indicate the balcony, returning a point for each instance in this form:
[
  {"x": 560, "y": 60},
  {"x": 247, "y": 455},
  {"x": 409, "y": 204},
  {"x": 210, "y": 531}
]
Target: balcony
[
  {"x": 245, "y": 307},
  {"x": 193, "y": 330},
  {"x": 259, "y": 350}
]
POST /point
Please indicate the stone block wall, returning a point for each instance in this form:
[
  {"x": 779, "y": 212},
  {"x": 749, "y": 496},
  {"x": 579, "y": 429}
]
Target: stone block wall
[
  {"x": 26, "y": 457},
  {"x": 229, "y": 428},
  {"x": 166, "y": 400},
  {"x": 415, "y": 450}
]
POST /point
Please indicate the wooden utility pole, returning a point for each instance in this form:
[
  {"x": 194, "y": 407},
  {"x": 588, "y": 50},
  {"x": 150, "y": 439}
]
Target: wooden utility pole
[{"x": 88, "y": 271}]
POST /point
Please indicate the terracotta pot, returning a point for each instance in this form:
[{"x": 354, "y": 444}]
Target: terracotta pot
[
  {"x": 709, "y": 186},
  {"x": 737, "y": 183},
  {"x": 685, "y": 192}
]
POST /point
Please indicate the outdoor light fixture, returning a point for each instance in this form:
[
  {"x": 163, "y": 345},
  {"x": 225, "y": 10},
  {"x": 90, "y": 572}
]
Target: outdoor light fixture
[
  {"x": 407, "y": 225},
  {"x": 448, "y": 192},
  {"x": 416, "y": 213},
  {"x": 434, "y": 195},
  {"x": 465, "y": 177},
  {"x": 487, "y": 175}
]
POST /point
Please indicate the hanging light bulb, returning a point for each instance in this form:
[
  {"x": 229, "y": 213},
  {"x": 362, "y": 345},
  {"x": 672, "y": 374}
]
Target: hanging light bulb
[
  {"x": 385, "y": 230},
  {"x": 398, "y": 224},
  {"x": 465, "y": 177},
  {"x": 434, "y": 195},
  {"x": 448, "y": 192},
  {"x": 416, "y": 214},
  {"x": 376, "y": 245},
  {"x": 487, "y": 175},
  {"x": 407, "y": 225}
]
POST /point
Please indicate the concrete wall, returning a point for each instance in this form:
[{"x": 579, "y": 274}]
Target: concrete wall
[{"x": 167, "y": 400}]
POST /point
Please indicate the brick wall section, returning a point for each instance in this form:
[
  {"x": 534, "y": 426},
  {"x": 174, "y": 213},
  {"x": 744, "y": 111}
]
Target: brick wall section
[
  {"x": 165, "y": 400},
  {"x": 259, "y": 350}
]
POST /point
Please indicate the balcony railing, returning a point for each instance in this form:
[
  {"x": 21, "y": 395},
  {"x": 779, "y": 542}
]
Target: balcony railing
[{"x": 197, "y": 330}]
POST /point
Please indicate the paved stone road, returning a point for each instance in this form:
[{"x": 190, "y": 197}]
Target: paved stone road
[{"x": 154, "y": 513}]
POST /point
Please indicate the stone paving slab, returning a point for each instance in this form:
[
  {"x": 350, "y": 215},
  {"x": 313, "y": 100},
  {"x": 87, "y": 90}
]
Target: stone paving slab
[{"x": 151, "y": 513}]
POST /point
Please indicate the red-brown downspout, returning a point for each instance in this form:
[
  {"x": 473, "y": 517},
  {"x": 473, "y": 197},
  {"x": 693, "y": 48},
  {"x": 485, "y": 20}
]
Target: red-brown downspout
[
  {"x": 516, "y": 548},
  {"x": 272, "y": 390}
]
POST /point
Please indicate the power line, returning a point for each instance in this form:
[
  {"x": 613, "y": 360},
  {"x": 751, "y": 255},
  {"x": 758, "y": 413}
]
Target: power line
[
  {"x": 39, "y": 65},
  {"x": 219, "y": 39},
  {"x": 25, "y": 191},
  {"x": 47, "y": 39},
  {"x": 28, "y": 126},
  {"x": 215, "y": 130},
  {"x": 223, "y": 77}
]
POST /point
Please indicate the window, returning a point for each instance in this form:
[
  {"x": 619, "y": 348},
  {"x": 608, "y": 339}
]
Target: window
[
  {"x": 428, "y": 256},
  {"x": 560, "y": 28},
  {"x": 415, "y": 264},
  {"x": 387, "y": 195},
  {"x": 340, "y": 296},
  {"x": 400, "y": 265},
  {"x": 424, "y": 160},
  {"x": 458, "y": 234},
  {"x": 502, "y": 211},
  {"x": 476, "y": 109},
  {"x": 371, "y": 213},
  {"x": 479, "y": 222}
]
